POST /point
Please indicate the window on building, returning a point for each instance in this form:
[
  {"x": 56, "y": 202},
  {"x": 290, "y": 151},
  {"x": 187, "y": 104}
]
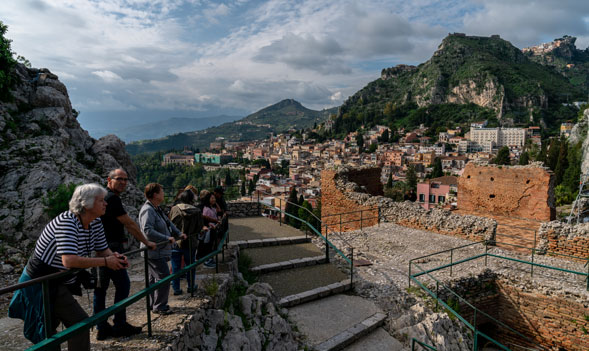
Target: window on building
[
  {"x": 421, "y": 197},
  {"x": 432, "y": 198},
  {"x": 441, "y": 198}
]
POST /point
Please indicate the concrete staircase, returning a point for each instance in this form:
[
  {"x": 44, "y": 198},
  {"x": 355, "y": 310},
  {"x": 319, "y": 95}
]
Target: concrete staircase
[{"x": 312, "y": 289}]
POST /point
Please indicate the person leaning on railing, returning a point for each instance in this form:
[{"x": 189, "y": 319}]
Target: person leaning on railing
[
  {"x": 156, "y": 226},
  {"x": 66, "y": 242}
]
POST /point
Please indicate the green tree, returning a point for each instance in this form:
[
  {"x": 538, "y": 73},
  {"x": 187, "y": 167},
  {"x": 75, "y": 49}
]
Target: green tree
[
  {"x": 372, "y": 148},
  {"x": 305, "y": 214},
  {"x": 561, "y": 163},
  {"x": 390, "y": 181},
  {"x": 502, "y": 157},
  {"x": 411, "y": 178},
  {"x": 438, "y": 171},
  {"x": 292, "y": 208},
  {"x": 228, "y": 180},
  {"x": 7, "y": 64},
  {"x": 524, "y": 158},
  {"x": 542, "y": 154},
  {"x": 385, "y": 136},
  {"x": 360, "y": 141},
  {"x": 553, "y": 152},
  {"x": 243, "y": 187}
]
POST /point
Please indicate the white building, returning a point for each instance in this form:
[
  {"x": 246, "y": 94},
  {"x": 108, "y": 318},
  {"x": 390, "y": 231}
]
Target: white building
[{"x": 489, "y": 138}]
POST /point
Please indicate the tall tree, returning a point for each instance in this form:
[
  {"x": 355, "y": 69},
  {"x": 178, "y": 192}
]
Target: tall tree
[
  {"x": 542, "y": 154},
  {"x": 390, "y": 181},
  {"x": 411, "y": 178},
  {"x": 524, "y": 158},
  {"x": 385, "y": 136},
  {"x": 243, "y": 187},
  {"x": 502, "y": 157},
  {"x": 437, "y": 171},
  {"x": 7, "y": 63},
  {"x": 553, "y": 152},
  {"x": 561, "y": 163},
  {"x": 292, "y": 209},
  {"x": 360, "y": 141}
]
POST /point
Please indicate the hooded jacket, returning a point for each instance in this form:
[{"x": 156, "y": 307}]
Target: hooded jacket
[{"x": 188, "y": 219}]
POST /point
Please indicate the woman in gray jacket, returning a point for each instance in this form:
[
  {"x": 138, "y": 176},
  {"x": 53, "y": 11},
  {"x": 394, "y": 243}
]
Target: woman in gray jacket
[{"x": 156, "y": 227}]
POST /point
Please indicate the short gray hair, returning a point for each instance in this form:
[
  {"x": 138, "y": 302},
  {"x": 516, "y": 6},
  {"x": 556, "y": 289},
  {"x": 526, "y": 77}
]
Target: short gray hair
[
  {"x": 113, "y": 173},
  {"x": 83, "y": 197}
]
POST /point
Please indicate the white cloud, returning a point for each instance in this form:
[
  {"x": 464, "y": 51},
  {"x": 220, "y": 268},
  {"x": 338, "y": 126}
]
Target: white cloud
[{"x": 107, "y": 76}]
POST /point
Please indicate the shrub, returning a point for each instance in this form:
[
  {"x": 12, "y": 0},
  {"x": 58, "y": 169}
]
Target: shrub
[
  {"x": 57, "y": 201},
  {"x": 7, "y": 63}
]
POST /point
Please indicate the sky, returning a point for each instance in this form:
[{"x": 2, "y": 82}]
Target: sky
[{"x": 134, "y": 61}]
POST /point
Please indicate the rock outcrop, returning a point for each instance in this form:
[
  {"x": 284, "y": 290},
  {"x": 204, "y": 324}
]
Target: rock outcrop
[
  {"x": 585, "y": 163},
  {"x": 42, "y": 146}
]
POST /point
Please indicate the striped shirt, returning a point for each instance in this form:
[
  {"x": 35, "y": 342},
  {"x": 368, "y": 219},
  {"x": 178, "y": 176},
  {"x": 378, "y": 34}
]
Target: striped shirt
[{"x": 65, "y": 235}]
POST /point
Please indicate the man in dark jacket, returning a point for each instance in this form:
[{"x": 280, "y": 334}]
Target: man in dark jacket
[{"x": 115, "y": 220}]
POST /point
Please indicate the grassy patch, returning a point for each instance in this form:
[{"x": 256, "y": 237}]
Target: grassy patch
[{"x": 244, "y": 263}]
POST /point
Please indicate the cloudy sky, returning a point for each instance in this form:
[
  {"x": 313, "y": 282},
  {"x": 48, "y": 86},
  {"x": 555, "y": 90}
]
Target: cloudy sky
[{"x": 130, "y": 61}]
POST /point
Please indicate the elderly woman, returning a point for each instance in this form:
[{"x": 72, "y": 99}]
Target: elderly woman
[
  {"x": 158, "y": 228},
  {"x": 67, "y": 242}
]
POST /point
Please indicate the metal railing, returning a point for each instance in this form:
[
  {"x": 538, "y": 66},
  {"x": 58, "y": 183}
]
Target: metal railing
[
  {"x": 317, "y": 232},
  {"x": 415, "y": 342},
  {"x": 475, "y": 311},
  {"x": 52, "y": 341}
]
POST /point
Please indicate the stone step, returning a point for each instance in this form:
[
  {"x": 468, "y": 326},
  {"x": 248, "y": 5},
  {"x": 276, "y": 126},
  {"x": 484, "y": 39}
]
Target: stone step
[
  {"x": 378, "y": 340},
  {"x": 294, "y": 263},
  {"x": 336, "y": 321},
  {"x": 283, "y": 253},
  {"x": 253, "y": 243},
  {"x": 315, "y": 294},
  {"x": 352, "y": 334},
  {"x": 297, "y": 280},
  {"x": 252, "y": 228}
]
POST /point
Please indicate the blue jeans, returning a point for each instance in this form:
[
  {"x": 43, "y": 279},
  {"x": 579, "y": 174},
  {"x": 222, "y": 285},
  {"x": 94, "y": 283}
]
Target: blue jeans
[
  {"x": 122, "y": 284},
  {"x": 177, "y": 255}
]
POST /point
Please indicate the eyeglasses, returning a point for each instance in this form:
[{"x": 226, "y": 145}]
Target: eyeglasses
[{"x": 121, "y": 179}]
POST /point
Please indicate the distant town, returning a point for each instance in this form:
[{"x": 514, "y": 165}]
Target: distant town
[{"x": 306, "y": 158}]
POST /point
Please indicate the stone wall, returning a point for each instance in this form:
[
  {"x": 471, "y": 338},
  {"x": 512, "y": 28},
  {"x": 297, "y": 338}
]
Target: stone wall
[
  {"x": 566, "y": 239},
  {"x": 339, "y": 194},
  {"x": 516, "y": 191},
  {"x": 553, "y": 319},
  {"x": 243, "y": 209}
]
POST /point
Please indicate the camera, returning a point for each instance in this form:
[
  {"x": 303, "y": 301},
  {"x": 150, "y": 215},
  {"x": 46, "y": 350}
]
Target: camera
[{"x": 87, "y": 278}]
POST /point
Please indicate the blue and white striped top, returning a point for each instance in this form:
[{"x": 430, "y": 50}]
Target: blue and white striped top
[{"x": 65, "y": 235}]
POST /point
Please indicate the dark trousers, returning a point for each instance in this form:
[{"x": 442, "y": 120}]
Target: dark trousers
[
  {"x": 177, "y": 255},
  {"x": 67, "y": 311},
  {"x": 120, "y": 280}
]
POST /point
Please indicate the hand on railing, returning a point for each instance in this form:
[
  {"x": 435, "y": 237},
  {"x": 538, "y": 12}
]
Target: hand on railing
[
  {"x": 172, "y": 240},
  {"x": 116, "y": 261}
]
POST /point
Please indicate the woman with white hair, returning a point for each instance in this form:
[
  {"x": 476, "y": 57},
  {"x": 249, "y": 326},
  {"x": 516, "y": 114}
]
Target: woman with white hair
[{"x": 67, "y": 242}]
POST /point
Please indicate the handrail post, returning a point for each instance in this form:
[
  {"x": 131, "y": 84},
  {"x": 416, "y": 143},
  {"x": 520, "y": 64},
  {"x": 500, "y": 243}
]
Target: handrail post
[
  {"x": 409, "y": 275},
  {"x": 259, "y": 210},
  {"x": 352, "y": 267},
  {"x": 280, "y": 212},
  {"x": 361, "y": 212},
  {"x": 451, "y": 260},
  {"x": 533, "y": 252},
  {"x": 475, "y": 345},
  {"x": 486, "y": 251},
  {"x": 47, "y": 309},
  {"x": 147, "y": 297},
  {"x": 191, "y": 278},
  {"x": 437, "y": 295},
  {"x": 326, "y": 246}
]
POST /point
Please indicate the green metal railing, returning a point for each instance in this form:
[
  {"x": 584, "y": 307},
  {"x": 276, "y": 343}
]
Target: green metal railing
[
  {"x": 52, "y": 341},
  {"x": 473, "y": 325},
  {"x": 415, "y": 342},
  {"x": 328, "y": 244}
]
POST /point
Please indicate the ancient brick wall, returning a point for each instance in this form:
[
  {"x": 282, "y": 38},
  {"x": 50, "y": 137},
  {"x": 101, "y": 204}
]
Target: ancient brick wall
[
  {"x": 554, "y": 321},
  {"x": 565, "y": 239},
  {"x": 517, "y": 191},
  {"x": 351, "y": 193},
  {"x": 335, "y": 201}
]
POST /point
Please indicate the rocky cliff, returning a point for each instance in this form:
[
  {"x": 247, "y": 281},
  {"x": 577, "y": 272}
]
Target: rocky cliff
[
  {"x": 42, "y": 146},
  {"x": 585, "y": 162}
]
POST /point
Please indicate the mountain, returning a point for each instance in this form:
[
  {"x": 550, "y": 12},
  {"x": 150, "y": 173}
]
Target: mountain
[
  {"x": 42, "y": 146},
  {"x": 563, "y": 55},
  {"x": 170, "y": 126},
  {"x": 277, "y": 118},
  {"x": 488, "y": 76}
]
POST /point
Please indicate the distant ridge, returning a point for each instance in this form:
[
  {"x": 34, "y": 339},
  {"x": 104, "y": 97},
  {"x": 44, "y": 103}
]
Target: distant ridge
[
  {"x": 282, "y": 116},
  {"x": 170, "y": 126}
]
